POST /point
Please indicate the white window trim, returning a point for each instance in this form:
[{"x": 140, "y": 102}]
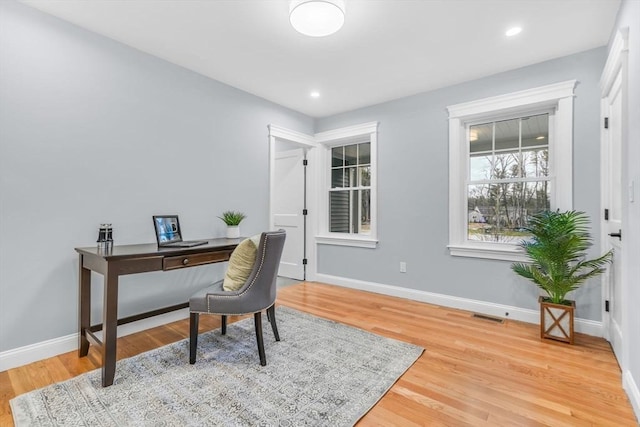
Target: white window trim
[
  {"x": 344, "y": 136},
  {"x": 557, "y": 97}
]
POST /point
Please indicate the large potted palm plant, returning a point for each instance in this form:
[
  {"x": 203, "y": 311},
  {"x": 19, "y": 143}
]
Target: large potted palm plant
[{"x": 557, "y": 265}]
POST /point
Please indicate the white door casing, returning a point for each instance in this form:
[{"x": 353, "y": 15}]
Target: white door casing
[
  {"x": 296, "y": 248},
  {"x": 613, "y": 200}
]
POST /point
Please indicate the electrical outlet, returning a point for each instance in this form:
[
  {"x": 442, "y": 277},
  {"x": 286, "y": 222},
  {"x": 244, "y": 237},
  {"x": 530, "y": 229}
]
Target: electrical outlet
[{"x": 403, "y": 267}]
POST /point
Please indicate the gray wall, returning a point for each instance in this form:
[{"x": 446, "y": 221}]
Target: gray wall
[
  {"x": 629, "y": 16},
  {"x": 87, "y": 124},
  {"x": 93, "y": 131},
  {"x": 413, "y": 193}
]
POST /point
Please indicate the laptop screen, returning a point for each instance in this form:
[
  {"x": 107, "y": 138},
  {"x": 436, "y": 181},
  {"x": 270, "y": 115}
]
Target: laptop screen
[{"x": 167, "y": 228}]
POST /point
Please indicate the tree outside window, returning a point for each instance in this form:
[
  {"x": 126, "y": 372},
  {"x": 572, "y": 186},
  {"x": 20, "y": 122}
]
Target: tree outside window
[{"x": 508, "y": 177}]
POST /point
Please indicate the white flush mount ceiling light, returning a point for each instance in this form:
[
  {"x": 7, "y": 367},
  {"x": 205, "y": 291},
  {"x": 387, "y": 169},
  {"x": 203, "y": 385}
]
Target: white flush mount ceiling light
[
  {"x": 315, "y": 94},
  {"x": 316, "y": 18},
  {"x": 513, "y": 31}
]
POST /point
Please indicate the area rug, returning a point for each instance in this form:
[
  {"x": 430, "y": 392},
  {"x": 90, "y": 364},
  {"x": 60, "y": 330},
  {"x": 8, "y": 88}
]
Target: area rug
[{"x": 321, "y": 373}]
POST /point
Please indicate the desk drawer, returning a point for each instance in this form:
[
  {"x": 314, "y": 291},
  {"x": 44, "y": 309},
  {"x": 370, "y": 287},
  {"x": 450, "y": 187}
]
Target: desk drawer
[{"x": 182, "y": 261}]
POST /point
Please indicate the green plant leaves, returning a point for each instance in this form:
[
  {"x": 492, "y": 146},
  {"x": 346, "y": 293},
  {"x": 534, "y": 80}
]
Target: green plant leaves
[
  {"x": 232, "y": 217},
  {"x": 558, "y": 253}
]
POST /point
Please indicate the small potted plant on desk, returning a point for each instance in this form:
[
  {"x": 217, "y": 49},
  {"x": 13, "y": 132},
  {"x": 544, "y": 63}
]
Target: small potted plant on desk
[
  {"x": 558, "y": 265},
  {"x": 233, "y": 220}
]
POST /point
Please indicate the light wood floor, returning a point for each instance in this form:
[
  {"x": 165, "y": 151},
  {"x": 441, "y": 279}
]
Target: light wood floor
[{"x": 473, "y": 372}]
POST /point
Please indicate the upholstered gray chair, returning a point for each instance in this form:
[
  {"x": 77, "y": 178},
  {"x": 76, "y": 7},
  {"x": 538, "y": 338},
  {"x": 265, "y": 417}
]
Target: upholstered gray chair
[{"x": 258, "y": 293}]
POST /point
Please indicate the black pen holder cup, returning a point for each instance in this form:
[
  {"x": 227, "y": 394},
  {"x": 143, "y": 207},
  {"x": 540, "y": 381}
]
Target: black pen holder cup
[{"x": 105, "y": 236}]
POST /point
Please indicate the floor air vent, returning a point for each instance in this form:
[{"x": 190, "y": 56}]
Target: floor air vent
[{"x": 484, "y": 317}]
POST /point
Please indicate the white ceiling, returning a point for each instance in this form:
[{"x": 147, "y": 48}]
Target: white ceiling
[{"x": 387, "y": 49}]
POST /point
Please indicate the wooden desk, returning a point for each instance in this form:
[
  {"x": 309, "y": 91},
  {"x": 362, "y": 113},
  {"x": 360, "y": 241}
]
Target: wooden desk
[{"x": 131, "y": 259}]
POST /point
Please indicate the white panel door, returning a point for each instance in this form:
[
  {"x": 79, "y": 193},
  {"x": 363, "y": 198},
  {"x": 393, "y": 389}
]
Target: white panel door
[
  {"x": 288, "y": 204},
  {"x": 612, "y": 199}
]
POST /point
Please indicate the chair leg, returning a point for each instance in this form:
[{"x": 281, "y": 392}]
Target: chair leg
[
  {"x": 193, "y": 336},
  {"x": 271, "y": 315},
  {"x": 258, "y": 323},
  {"x": 224, "y": 325}
]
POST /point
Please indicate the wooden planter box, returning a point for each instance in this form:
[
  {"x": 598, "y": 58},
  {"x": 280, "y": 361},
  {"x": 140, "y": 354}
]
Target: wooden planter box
[{"x": 556, "y": 321}]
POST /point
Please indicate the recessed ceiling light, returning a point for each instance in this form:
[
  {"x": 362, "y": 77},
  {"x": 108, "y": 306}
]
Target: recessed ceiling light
[
  {"x": 316, "y": 18},
  {"x": 513, "y": 31},
  {"x": 315, "y": 94}
]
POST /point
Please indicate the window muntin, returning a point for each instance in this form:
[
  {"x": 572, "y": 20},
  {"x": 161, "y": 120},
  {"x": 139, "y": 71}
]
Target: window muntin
[
  {"x": 356, "y": 181},
  {"x": 350, "y": 192},
  {"x": 555, "y": 99},
  {"x": 508, "y": 177}
]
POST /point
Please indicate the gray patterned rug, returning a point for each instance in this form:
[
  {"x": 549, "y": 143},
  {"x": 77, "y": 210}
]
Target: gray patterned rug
[{"x": 322, "y": 373}]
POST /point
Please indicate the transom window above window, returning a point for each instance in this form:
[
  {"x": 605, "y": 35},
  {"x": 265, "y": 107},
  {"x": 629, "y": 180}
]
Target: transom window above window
[{"x": 508, "y": 177}]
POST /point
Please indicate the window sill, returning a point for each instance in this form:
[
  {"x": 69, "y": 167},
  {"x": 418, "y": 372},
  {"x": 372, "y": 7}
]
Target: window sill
[
  {"x": 351, "y": 240},
  {"x": 489, "y": 251}
]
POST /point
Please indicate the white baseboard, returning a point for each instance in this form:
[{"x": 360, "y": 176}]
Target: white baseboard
[
  {"x": 585, "y": 326},
  {"x": 32, "y": 353},
  {"x": 630, "y": 386}
]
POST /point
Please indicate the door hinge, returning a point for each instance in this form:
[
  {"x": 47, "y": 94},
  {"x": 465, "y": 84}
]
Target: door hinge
[
  {"x": 606, "y": 306},
  {"x": 606, "y": 122},
  {"x": 606, "y": 214},
  {"x": 304, "y": 261},
  {"x": 305, "y": 162},
  {"x": 305, "y": 212}
]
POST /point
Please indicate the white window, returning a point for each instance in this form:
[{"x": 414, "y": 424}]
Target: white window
[
  {"x": 510, "y": 156},
  {"x": 350, "y": 192},
  {"x": 348, "y": 202}
]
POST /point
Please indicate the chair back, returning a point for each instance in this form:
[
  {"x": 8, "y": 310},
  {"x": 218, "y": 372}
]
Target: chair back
[{"x": 259, "y": 291}]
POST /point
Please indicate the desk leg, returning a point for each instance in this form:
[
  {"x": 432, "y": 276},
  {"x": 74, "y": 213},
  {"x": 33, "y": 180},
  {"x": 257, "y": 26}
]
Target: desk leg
[
  {"x": 84, "y": 313},
  {"x": 109, "y": 327}
]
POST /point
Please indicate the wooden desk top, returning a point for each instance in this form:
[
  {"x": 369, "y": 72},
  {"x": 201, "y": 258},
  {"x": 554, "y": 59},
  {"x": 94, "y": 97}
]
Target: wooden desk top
[{"x": 152, "y": 250}]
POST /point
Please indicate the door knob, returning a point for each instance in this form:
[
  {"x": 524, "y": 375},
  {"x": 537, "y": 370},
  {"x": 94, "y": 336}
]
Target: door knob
[{"x": 618, "y": 234}]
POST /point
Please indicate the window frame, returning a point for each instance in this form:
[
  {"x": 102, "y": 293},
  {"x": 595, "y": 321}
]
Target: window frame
[
  {"x": 366, "y": 132},
  {"x": 555, "y": 99},
  {"x": 359, "y": 188}
]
